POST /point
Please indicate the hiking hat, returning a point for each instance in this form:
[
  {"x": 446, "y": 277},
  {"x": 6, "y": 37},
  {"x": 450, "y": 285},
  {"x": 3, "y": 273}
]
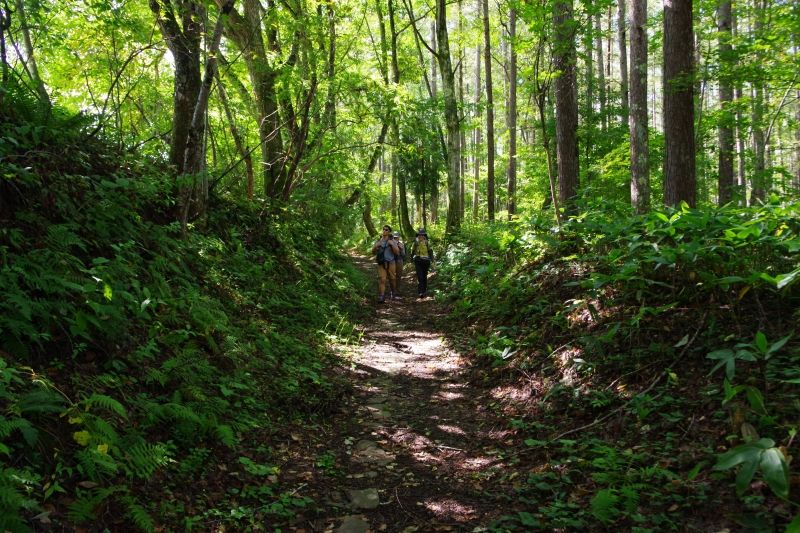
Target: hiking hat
[
  {"x": 396, "y": 234},
  {"x": 421, "y": 231}
]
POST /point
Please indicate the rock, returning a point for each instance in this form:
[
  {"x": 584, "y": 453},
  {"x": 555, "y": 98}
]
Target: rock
[
  {"x": 353, "y": 524},
  {"x": 364, "y": 499}
]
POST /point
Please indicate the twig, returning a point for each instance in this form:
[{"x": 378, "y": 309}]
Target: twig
[{"x": 648, "y": 389}]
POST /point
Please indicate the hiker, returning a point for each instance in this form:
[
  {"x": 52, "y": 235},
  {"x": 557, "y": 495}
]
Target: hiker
[
  {"x": 386, "y": 251},
  {"x": 400, "y": 260},
  {"x": 422, "y": 255}
]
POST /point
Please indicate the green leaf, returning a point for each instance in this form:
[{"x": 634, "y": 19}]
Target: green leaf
[
  {"x": 746, "y": 473},
  {"x": 784, "y": 280},
  {"x": 761, "y": 342},
  {"x": 777, "y": 345},
  {"x": 776, "y": 472},
  {"x": 756, "y": 400},
  {"x": 794, "y": 525}
]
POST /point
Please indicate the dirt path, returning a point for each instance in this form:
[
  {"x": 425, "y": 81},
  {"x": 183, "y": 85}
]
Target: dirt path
[{"x": 415, "y": 449}]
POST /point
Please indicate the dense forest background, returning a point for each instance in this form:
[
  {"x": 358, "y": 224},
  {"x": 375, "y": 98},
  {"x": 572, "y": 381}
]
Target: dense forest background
[{"x": 612, "y": 186}]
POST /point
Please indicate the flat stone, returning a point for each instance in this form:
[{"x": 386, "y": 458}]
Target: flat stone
[
  {"x": 365, "y": 444},
  {"x": 374, "y": 455},
  {"x": 364, "y": 499},
  {"x": 353, "y": 524}
]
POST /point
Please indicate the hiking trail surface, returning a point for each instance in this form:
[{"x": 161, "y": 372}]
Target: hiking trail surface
[{"x": 414, "y": 448}]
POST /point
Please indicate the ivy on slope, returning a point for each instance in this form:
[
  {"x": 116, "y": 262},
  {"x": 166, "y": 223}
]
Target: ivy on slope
[
  {"x": 648, "y": 346},
  {"x": 128, "y": 354}
]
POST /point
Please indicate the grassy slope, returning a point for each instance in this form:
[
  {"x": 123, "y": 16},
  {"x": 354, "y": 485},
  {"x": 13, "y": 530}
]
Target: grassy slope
[
  {"x": 612, "y": 318},
  {"x": 134, "y": 362}
]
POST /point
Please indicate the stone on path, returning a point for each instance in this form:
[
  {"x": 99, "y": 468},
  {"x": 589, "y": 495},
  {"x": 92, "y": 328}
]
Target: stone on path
[
  {"x": 353, "y": 524},
  {"x": 364, "y": 499},
  {"x": 367, "y": 451}
]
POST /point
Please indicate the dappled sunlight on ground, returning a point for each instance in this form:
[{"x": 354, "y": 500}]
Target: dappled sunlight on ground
[{"x": 445, "y": 509}]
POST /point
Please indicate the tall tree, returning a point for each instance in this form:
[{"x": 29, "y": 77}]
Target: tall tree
[
  {"x": 679, "y": 158},
  {"x": 478, "y": 140},
  {"x": 512, "y": 114},
  {"x": 180, "y": 23},
  {"x": 623, "y": 59},
  {"x": 490, "y": 149},
  {"x": 30, "y": 59},
  {"x": 725, "y": 130},
  {"x": 451, "y": 119},
  {"x": 640, "y": 150},
  {"x": 564, "y": 55},
  {"x": 601, "y": 75},
  {"x": 758, "y": 182}
]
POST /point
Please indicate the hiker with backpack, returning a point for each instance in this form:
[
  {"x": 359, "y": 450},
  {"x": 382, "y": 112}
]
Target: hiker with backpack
[
  {"x": 422, "y": 256},
  {"x": 386, "y": 252},
  {"x": 400, "y": 260}
]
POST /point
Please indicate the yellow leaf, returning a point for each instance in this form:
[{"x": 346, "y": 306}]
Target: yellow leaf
[
  {"x": 82, "y": 437},
  {"x": 744, "y": 290},
  {"x": 107, "y": 291},
  {"x": 102, "y": 448},
  {"x": 75, "y": 420}
]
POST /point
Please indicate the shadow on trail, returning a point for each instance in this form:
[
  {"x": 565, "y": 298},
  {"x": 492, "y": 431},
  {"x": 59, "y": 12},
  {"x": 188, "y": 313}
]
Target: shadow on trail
[{"x": 417, "y": 449}]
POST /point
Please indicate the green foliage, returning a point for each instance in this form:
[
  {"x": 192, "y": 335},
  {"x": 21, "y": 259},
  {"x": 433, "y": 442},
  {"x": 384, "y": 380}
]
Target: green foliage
[
  {"x": 130, "y": 353},
  {"x": 751, "y": 457}
]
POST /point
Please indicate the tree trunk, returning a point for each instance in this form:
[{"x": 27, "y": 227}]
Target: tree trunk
[
  {"x": 512, "y": 115},
  {"x": 241, "y": 149},
  {"x": 679, "y": 160},
  {"x": 640, "y": 149},
  {"x": 30, "y": 60},
  {"x": 183, "y": 41},
  {"x": 758, "y": 181},
  {"x": 566, "y": 102},
  {"x": 451, "y": 120},
  {"x": 623, "y": 59},
  {"x": 725, "y": 130},
  {"x": 601, "y": 75},
  {"x": 478, "y": 140},
  {"x": 487, "y": 56},
  {"x": 461, "y": 116},
  {"x": 589, "y": 115}
]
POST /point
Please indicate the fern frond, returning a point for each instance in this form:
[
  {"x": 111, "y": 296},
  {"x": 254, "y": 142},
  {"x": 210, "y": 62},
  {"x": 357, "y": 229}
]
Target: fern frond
[
  {"x": 106, "y": 402},
  {"x": 138, "y": 515},
  {"x": 143, "y": 458}
]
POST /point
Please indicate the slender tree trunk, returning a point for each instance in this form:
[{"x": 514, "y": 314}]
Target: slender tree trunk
[
  {"x": 487, "y": 56},
  {"x": 640, "y": 150},
  {"x": 30, "y": 60},
  {"x": 512, "y": 115},
  {"x": 462, "y": 116},
  {"x": 478, "y": 140},
  {"x": 679, "y": 160},
  {"x": 566, "y": 102},
  {"x": 601, "y": 75},
  {"x": 183, "y": 40},
  {"x": 451, "y": 120},
  {"x": 725, "y": 130},
  {"x": 196, "y": 197},
  {"x": 405, "y": 223},
  {"x": 623, "y": 59},
  {"x": 759, "y": 183},
  {"x": 589, "y": 114},
  {"x": 241, "y": 149}
]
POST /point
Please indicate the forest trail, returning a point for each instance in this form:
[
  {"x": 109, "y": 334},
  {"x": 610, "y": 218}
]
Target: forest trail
[{"x": 415, "y": 449}]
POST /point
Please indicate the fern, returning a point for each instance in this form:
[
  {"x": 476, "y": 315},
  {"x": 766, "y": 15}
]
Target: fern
[
  {"x": 106, "y": 402},
  {"x": 83, "y": 509},
  {"x": 94, "y": 464},
  {"x": 604, "y": 505},
  {"x": 143, "y": 458},
  {"x": 225, "y": 435},
  {"x": 29, "y": 433},
  {"x": 41, "y": 401},
  {"x": 138, "y": 515}
]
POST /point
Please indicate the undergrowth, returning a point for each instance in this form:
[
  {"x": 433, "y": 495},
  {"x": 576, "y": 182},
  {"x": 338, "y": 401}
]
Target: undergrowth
[
  {"x": 660, "y": 358},
  {"x": 133, "y": 360}
]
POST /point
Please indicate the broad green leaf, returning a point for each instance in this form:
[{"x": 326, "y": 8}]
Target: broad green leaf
[
  {"x": 761, "y": 342},
  {"x": 794, "y": 525},
  {"x": 756, "y": 400},
  {"x": 746, "y": 473},
  {"x": 783, "y": 280},
  {"x": 777, "y": 345},
  {"x": 776, "y": 472}
]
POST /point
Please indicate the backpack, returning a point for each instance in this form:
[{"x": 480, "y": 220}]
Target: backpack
[
  {"x": 402, "y": 254},
  {"x": 380, "y": 257}
]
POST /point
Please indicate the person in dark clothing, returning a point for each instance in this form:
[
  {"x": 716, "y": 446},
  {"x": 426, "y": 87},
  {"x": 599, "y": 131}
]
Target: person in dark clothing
[{"x": 422, "y": 256}]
